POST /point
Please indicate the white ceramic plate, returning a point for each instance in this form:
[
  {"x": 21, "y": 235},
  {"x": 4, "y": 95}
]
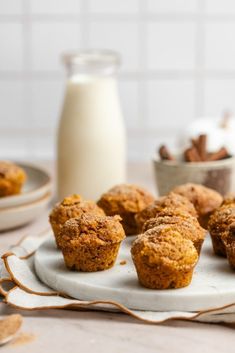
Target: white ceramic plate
[
  {"x": 18, "y": 216},
  {"x": 37, "y": 185},
  {"x": 213, "y": 283}
]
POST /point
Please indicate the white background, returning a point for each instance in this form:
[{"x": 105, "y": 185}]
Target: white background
[{"x": 178, "y": 64}]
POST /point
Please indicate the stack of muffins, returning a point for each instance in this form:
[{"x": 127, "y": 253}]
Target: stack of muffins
[
  {"x": 171, "y": 231},
  {"x": 89, "y": 234},
  {"x": 221, "y": 226}
]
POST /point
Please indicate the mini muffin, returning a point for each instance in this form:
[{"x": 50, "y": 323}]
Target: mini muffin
[
  {"x": 188, "y": 227},
  {"x": 71, "y": 207},
  {"x": 218, "y": 224},
  {"x": 91, "y": 243},
  {"x": 205, "y": 200},
  {"x": 12, "y": 178},
  {"x": 163, "y": 258},
  {"x": 172, "y": 200},
  {"x": 228, "y": 238},
  {"x": 126, "y": 200}
]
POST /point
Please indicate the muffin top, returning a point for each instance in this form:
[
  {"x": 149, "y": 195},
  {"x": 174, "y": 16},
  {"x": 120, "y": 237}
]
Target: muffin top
[
  {"x": 221, "y": 218},
  {"x": 204, "y": 199},
  {"x": 188, "y": 227},
  {"x": 90, "y": 229},
  {"x": 229, "y": 200},
  {"x": 125, "y": 198},
  {"x": 11, "y": 172},
  {"x": 174, "y": 202},
  {"x": 71, "y": 207},
  {"x": 164, "y": 246}
]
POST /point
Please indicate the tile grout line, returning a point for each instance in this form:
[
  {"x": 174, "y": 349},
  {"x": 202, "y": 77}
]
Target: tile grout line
[
  {"x": 200, "y": 62},
  {"x": 142, "y": 85},
  {"x": 27, "y": 64}
]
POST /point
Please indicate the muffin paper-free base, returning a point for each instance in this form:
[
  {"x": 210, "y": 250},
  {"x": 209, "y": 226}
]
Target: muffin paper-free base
[{"x": 22, "y": 289}]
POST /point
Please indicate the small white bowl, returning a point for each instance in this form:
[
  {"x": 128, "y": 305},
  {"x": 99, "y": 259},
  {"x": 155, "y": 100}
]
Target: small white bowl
[
  {"x": 218, "y": 175},
  {"x": 37, "y": 185},
  {"x": 14, "y": 217}
]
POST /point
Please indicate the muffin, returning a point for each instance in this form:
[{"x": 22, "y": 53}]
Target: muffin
[
  {"x": 218, "y": 224},
  {"x": 71, "y": 207},
  {"x": 172, "y": 200},
  {"x": 163, "y": 258},
  {"x": 12, "y": 178},
  {"x": 188, "y": 227},
  {"x": 205, "y": 200},
  {"x": 126, "y": 200},
  {"x": 91, "y": 243},
  {"x": 228, "y": 239}
]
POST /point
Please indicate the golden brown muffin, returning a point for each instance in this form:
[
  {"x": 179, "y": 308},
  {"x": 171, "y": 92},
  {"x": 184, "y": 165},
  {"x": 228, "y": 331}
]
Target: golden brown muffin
[
  {"x": 126, "y": 200},
  {"x": 91, "y": 243},
  {"x": 205, "y": 200},
  {"x": 12, "y": 178},
  {"x": 218, "y": 224},
  {"x": 163, "y": 258},
  {"x": 71, "y": 207},
  {"x": 228, "y": 239},
  {"x": 188, "y": 227},
  {"x": 172, "y": 201}
]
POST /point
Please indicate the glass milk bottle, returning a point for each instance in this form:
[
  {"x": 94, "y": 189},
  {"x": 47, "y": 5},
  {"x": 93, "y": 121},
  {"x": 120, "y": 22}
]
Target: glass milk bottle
[{"x": 91, "y": 134}]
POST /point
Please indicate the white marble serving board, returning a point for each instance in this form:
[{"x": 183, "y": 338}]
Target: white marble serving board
[{"x": 213, "y": 283}]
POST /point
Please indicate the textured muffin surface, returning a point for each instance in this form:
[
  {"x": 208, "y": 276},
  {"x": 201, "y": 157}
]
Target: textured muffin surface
[
  {"x": 91, "y": 242},
  {"x": 218, "y": 225},
  {"x": 126, "y": 200},
  {"x": 71, "y": 207},
  {"x": 176, "y": 203},
  {"x": 205, "y": 200},
  {"x": 163, "y": 258},
  {"x": 12, "y": 178},
  {"x": 188, "y": 227}
]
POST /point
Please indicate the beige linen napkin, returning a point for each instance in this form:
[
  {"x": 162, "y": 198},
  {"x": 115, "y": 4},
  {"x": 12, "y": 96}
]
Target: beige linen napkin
[{"x": 22, "y": 289}]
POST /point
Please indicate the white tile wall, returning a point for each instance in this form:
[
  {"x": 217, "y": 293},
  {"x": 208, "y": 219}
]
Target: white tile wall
[
  {"x": 123, "y": 36},
  {"x": 178, "y": 63},
  {"x": 171, "y": 46},
  {"x": 49, "y": 40},
  {"x": 11, "y": 40},
  {"x": 170, "y": 104}
]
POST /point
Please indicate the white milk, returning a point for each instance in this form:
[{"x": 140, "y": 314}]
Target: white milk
[{"x": 91, "y": 137}]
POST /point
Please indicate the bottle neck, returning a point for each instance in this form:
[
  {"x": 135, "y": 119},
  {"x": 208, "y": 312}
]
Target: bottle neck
[{"x": 90, "y": 63}]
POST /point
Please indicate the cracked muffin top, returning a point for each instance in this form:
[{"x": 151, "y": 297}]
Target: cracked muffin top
[
  {"x": 205, "y": 200},
  {"x": 174, "y": 202},
  {"x": 188, "y": 227},
  {"x": 164, "y": 246},
  {"x": 90, "y": 229},
  {"x": 125, "y": 198},
  {"x": 10, "y": 176},
  {"x": 71, "y": 207}
]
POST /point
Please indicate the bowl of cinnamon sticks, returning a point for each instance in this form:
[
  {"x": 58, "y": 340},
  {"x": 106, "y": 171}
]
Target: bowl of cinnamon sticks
[{"x": 195, "y": 164}]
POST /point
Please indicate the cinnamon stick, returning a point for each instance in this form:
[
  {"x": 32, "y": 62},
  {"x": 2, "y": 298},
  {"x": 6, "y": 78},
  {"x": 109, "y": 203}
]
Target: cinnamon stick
[
  {"x": 165, "y": 154},
  {"x": 221, "y": 154},
  {"x": 202, "y": 140},
  {"x": 191, "y": 155}
]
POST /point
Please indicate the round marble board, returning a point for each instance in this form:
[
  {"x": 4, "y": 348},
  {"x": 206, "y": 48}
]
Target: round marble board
[{"x": 213, "y": 282}]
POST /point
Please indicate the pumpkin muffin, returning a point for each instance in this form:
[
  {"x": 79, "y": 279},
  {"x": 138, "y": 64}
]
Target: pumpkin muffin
[
  {"x": 228, "y": 238},
  {"x": 172, "y": 201},
  {"x": 91, "y": 243},
  {"x": 188, "y": 227},
  {"x": 218, "y": 225},
  {"x": 205, "y": 200},
  {"x": 71, "y": 207},
  {"x": 126, "y": 200},
  {"x": 12, "y": 178},
  {"x": 163, "y": 258}
]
